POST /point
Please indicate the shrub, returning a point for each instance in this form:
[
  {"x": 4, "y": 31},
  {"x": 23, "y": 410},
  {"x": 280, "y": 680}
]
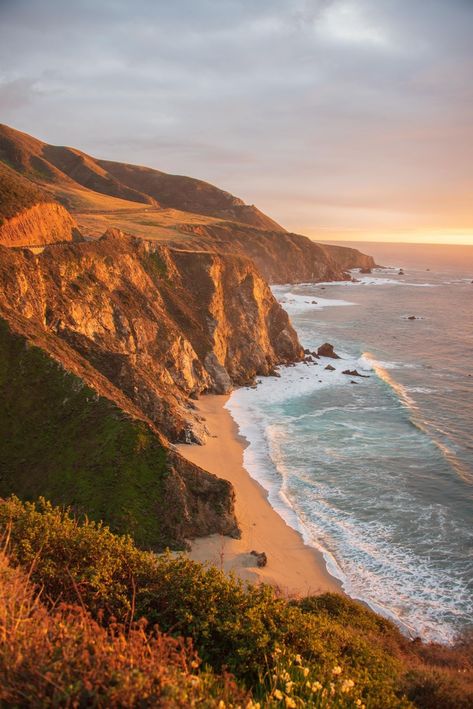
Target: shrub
[{"x": 64, "y": 658}]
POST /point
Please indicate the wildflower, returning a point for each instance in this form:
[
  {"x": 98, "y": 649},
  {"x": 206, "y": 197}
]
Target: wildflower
[
  {"x": 221, "y": 704},
  {"x": 194, "y": 664},
  {"x": 305, "y": 671},
  {"x": 289, "y": 702},
  {"x": 298, "y": 659},
  {"x": 277, "y": 650},
  {"x": 289, "y": 685},
  {"x": 253, "y": 705},
  {"x": 332, "y": 688},
  {"x": 308, "y": 685},
  {"x": 347, "y": 684},
  {"x": 337, "y": 670},
  {"x": 316, "y": 686},
  {"x": 195, "y": 681},
  {"x": 277, "y": 694}
]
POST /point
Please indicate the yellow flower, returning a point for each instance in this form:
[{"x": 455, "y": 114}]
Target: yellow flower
[
  {"x": 290, "y": 702},
  {"x": 347, "y": 684},
  {"x": 298, "y": 659},
  {"x": 337, "y": 670},
  {"x": 305, "y": 671},
  {"x": 289, "y": 687},
  {"x": 253, "y": 705},
  {"x": 277, "y": 694},
  {"x": 221, "y": 704},
  {"x": 316, "y": 686}
]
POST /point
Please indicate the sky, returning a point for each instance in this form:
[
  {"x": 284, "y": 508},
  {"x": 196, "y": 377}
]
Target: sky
[{"x": 341, "y": 119}]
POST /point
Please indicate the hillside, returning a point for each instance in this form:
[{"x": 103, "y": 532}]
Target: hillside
[
  {"x": 62, "y": 439},
  {"x": 138, "y": 330},
  {"x": 174, "y": 209},
  {"x": 324, "y": 652},
  {"x": 64, "y": 168}
]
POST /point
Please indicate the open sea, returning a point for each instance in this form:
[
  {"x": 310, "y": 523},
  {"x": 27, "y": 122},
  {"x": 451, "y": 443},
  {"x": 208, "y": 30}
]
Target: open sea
[{"x": 378, "y": 474}]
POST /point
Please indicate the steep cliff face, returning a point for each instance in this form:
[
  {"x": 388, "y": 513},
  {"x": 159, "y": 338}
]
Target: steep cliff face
[
  {"x": 45, "y": 223},
  {"x": 347, "y": 258},
  {"x": 281, "y": 257},
  {"x": 161, "y": 325},
  {"x": 64, "y": 437},
  {"x": 28, "y": 214}
]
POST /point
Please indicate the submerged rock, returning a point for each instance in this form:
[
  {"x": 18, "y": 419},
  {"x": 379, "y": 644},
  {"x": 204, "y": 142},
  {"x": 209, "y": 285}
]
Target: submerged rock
[{"x": 330, "y": 368}]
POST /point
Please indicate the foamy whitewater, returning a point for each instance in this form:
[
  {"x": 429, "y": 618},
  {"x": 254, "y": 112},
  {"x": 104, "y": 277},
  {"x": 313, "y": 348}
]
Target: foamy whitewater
[{"x": 377, "y": 471}]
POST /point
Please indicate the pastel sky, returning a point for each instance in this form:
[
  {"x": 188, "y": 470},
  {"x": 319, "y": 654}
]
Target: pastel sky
[{"x": 348, "y": 119}]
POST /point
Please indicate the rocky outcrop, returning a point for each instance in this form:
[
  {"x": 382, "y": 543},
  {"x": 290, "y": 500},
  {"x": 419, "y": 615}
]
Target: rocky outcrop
[
  {"x": 281, "y": 257},
  {"x": 44, "y": 223},
  {"x": 326, "y": 350},
  {"x": 347, "y": 257},
  {"x": 161, "y": 325}
]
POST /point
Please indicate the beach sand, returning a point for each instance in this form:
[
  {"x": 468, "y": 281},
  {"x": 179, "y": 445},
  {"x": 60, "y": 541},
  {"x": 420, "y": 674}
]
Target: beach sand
[{"x": 293, "y": 567}]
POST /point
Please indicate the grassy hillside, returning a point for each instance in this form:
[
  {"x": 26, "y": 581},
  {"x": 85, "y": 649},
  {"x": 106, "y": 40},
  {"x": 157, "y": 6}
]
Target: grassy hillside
[
  {"x": 17, "y": 193},
  {"x": 61, "y": 440},
  {"x": 324, "y": 651}
]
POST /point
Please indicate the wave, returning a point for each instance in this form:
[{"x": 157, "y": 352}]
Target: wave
[
  {"x": 425, "y": 426},
  {"x": 388, "y": 576}
]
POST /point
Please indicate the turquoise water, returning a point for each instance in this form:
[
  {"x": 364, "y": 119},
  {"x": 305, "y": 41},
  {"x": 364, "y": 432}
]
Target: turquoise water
[{"x": 378, "y": 474}]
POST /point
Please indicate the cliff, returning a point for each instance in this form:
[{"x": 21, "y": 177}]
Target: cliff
[
  {"x": 64, "y": 437},
  {"x": 28, "y": 214},
  {"x": 281, "y": 257},
  {"x": 160, "y": 324},
  {"x": 346, "y": 257}
]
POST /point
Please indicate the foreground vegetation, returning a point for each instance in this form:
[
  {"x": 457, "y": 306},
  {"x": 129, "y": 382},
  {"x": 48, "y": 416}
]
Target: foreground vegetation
[{"x": 74, "y": 596}]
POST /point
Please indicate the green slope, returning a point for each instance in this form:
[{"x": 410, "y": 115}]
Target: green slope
[{"x": 63, "y": 441}]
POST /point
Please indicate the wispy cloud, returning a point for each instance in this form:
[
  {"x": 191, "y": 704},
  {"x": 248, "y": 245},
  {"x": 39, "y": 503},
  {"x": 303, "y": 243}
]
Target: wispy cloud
[{"x": 301, "y": 106}]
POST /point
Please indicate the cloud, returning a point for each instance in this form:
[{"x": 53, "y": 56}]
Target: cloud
[{"x": 292, "y": 104}]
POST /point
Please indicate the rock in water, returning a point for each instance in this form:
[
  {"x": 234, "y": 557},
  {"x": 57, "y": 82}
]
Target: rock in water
[
  {"x": 330, "y": 368},
  {"x": 326, "y": 350},
  {"x": 355, "y": 373}
]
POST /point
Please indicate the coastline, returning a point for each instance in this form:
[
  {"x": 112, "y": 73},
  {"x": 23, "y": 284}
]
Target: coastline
[{"x": 293, "y": 567}]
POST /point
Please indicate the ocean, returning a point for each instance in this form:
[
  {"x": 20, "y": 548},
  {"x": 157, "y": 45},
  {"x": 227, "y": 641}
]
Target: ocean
[{"x": 377, "y": 471}]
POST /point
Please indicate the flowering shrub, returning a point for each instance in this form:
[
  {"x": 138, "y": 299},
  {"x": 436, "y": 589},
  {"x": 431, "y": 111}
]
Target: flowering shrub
[{"x": 325, "y": 651}]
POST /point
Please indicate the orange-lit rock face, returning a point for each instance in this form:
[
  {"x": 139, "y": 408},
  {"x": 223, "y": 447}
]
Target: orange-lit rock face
[
  {"x": 161, "y": 325},
  {"x": 45, "y": 223}
]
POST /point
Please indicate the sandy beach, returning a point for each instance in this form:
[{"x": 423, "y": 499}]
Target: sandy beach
[{"x": 293, "y": 567}]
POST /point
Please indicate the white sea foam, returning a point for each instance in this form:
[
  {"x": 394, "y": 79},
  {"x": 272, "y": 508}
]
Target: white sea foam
[
  {"x": 360, "y": 554},
  {"x": 293, "y": 303},
  {"x": 361, "y": 280}
]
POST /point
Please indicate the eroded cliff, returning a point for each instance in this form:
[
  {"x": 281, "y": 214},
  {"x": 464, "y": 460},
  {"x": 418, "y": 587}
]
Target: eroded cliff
[
  {"x": 162, "y": 325},
  {"x": 281, "y": 257},
  {"x": 69, "y": 435}
]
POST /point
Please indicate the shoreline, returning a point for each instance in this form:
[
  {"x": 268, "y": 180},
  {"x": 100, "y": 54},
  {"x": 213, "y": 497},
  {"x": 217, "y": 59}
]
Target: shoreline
[{"x": 293, "y": 567}]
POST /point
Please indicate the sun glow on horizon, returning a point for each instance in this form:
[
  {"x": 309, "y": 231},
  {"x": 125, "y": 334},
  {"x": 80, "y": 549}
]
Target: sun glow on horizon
[{"x": 453, "y": 237}]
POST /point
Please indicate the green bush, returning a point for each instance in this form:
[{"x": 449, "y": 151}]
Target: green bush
[{"x": 232, "y": 625}]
